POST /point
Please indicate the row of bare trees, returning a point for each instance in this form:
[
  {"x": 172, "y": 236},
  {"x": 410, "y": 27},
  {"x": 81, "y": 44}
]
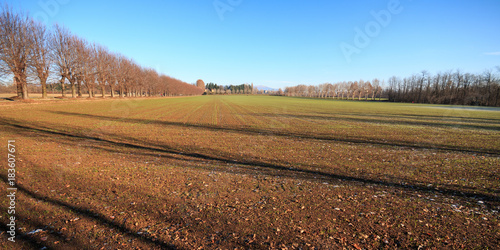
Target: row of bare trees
[
  {"x": 447, "y": 88},
  {"x": 342, "y": 90},
  {"x": 442, "y": 88},
  {"x": 32, "y": 53}
]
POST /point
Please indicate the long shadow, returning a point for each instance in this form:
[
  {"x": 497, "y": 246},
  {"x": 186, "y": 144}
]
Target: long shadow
[
  {"x": 302, "y": 173},
  {"x": 388, "y": 120},
  {"x": 419, "y": 117},
  {"x": 91, "y": 214},
  {"x": 245, "y": 166},
  {"x": 24, "y": 238},
  {"x": 254, "y": 131},
  {"x": 33, "y": 242},
  {"x": 471, "y": 119},
  {"x": 8, "y": 99}
]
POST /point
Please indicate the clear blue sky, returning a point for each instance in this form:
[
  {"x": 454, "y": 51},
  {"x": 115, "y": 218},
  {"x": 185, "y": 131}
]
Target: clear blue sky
[{"x": 285, "y": 43}]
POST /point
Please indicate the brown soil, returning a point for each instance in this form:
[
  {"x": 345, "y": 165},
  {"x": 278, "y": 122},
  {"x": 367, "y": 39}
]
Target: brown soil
[{"x": 252, "y": 173}]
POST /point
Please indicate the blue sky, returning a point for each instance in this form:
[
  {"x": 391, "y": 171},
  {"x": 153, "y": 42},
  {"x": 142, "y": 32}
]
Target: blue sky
[{"x": 285, "y": 43}]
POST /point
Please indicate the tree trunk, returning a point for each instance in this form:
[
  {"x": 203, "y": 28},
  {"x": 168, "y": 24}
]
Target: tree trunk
[
  {"x": 112, "y": 91},
  {"x": 79, "y": 88},
  {"x": 43, "y": 82},
  {"x": 22, "y": 86},
  {"x": 103, "y": 89},
  {"x": 497, "y": 97},
  {"x": 73, "y": 89},
  {"x": 25, "y": 90},
  {"x": 62, "y": 86},
  {"x": 19, "y": 87}
]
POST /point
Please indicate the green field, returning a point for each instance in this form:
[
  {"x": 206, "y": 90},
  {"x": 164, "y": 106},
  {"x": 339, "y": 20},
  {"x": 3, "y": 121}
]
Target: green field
[{"x": 252, "y": 172}]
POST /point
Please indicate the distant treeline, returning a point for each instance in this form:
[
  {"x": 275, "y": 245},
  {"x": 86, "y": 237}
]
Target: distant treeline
[
  {"x": 442, "y": 88},
  {"x": 349, "y": 90},
  {"x": 447, "y": 88},
  {"x": 31, "y": 53},
  {"x": 213, "y": 88}
]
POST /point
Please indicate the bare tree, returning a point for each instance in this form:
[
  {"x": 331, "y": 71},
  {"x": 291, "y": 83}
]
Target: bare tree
[
  {"x": 40, "y": 60},
  {"x": 342, "y": 87},
  {"x": 367, "y": 88},
  {"x": 81, "y": 48},
  {"x": 375, "y": 88},
  {"x": 65, "y": 56},
  {"x": 16, "y": 46},
  {"x": 103, "y": 69},
  {"x": 151, "y": 78},
  {"x": 135, "y": 80},
  {"x": 88, "y": 76},
  {"x": 125, "y": 67},
  {"x": 113, "y": 66}
]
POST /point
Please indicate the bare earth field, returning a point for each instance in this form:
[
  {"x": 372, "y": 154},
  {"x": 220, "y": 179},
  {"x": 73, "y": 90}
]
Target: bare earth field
[{"x": 250, "y": 172}]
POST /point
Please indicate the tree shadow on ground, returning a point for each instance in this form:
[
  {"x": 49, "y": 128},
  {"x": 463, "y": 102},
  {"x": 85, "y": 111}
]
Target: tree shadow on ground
[
  {"x": 390, "y": 120},
  {"x": 89, "y": 214},
  {"x": 422, "y": 117},
  {"x": 291, "y": 134},
  {"x": 145, "y": 202},
  {"x": 30, "y": 239},
  {"x": 284, "y": 170}
]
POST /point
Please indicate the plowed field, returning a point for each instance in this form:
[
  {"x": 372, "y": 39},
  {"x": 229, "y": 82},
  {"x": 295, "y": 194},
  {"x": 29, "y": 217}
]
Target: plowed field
[{"x": 250, "y": 172}]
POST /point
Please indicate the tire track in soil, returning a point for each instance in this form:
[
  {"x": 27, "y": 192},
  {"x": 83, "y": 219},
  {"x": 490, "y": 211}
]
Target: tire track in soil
[
  {"x": 215, "y": 115},
  {"x": 278, "y": 119},
  {"x": 235, "y": 118},
  {"x": 188, "y": 115},
  {"x": 248, "y": 114},
  {"x": 229, "y": 118}
]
